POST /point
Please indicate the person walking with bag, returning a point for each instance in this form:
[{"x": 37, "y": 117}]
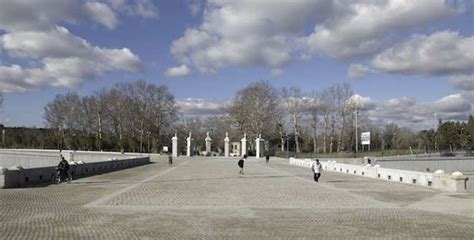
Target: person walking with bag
[{"x": 317, "y": 169}]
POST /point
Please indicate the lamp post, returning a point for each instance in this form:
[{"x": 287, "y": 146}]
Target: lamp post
[{"x": 356, "y": 133}]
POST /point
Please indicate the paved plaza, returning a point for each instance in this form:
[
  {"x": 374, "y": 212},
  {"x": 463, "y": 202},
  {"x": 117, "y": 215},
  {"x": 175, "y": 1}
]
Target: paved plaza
[{"x": 206, "y": 198}]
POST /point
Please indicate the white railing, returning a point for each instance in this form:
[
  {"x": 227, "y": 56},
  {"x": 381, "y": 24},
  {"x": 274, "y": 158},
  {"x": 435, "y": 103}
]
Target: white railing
[{"x": 439, "y": 180}]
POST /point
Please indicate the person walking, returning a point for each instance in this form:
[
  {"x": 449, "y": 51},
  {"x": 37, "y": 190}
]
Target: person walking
[
  {"x": 241, "y": 164},
  {"x": 170, "y": 160},
  {"x": 267, "y": 158},
  {"x": 317, "y": 169}
]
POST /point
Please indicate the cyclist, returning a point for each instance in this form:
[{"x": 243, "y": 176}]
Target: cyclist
[{"x": 63, "y": 168}]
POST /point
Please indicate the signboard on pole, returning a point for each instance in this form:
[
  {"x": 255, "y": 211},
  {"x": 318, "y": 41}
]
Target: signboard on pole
[{"x": 365, "y": 138}]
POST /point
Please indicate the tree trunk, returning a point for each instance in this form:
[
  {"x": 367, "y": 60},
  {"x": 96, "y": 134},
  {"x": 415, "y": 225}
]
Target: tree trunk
[
  {"x": 295, "y": 122},
  {"x": 315, "y": 145}
]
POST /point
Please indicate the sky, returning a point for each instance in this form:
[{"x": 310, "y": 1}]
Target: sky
[{"x": 408, "y": 61}]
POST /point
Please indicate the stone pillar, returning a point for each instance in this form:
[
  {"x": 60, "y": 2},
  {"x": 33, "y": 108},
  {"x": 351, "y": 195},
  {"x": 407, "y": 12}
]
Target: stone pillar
[
  {"x": 188, "y": 145},
  {"x": 226, "y": 145},
  {"x": 244, "y": 144},
  {"x": 258, "y": 143},
  {"x": 174, "y": 148},
  {"x": 208, "y": 143}
]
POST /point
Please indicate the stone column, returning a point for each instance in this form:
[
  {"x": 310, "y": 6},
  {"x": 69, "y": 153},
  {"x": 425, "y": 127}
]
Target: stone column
[
  {"x": 244, "y": 144},
  {"x": 208, "y": 143},
  {"x": 174, "y": 147},
  {"x": 226, "y": 145},
  {"x": 258, "y": 147},
  {"x": 188, "y": 145}
]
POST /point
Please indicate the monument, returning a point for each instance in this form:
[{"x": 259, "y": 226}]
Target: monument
[
  {"x": 259, "y": 146},
  {"x": 244, "y": 144},
  {"x": 226, "y": 144},
  {"x": 188, "y": 145},
  {"x": 174, "y": 147},
  {"x": 208, "y": 143}
]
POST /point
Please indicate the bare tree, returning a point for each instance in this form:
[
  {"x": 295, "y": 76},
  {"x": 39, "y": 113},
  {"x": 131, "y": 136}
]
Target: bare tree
[
  {"x": 294, "y": 103},
  {"x": 128, "y": 112},
  {"x": 338, "y": 96},
  {"x": 255, "y": 109},
  {"x": 315, "y": 109}
]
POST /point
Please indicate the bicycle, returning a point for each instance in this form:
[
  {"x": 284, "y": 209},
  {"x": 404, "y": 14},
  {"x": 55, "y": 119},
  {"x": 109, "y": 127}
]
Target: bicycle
[{"x": 59, "y": 176}]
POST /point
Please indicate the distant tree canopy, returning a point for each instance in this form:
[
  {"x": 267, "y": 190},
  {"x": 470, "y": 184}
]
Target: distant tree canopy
[
  {"x": 255, "y": 109},
  {"x": 455, "y": 135},
  {"x": 142, "y": 117},
  {"x": 128, "y": 117}
]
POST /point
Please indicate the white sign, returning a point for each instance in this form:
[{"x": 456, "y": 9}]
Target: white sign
[
  {"x": 165, "y": 149},
  {"x": 365, "y": 138}
]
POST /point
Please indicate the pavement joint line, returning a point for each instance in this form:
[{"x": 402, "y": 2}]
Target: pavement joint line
[
  {"x": 104, "y": 199},
  {"x": 389, "y": 205},
  {"x": 210, "y": 208}
]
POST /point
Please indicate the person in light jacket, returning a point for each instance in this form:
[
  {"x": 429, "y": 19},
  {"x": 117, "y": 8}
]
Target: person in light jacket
[{"x": 317, "y": 169}]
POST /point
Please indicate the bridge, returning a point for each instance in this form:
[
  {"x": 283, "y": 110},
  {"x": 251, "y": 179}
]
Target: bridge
[{"x": 206, "y": 198}]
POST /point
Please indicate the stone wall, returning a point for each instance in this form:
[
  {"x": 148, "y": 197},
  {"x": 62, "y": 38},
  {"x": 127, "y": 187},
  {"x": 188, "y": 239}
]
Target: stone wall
[
  {"x": 455, "y": 182},
  {"x": 23, "y": 177}
]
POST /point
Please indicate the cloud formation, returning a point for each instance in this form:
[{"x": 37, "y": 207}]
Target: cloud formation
[
  {"x": 274, "y": 33},
  {"x": 358, "y": 71},
  {"x": 359, "y": 28},
  {"x": 201, "y": 107},
  {"x": 179, "y": 71},
  {"x": 441, "y": 53},
  {"x": 31, "y": 31}
]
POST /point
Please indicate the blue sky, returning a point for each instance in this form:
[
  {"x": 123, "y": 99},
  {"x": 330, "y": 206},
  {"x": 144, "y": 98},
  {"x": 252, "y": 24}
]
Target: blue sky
[{"x": 412, "y": 56}]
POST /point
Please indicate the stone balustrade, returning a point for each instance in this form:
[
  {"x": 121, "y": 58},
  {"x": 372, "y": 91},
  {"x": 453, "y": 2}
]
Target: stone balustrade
[
  {"x": 455, "y": 182},
  {"x": 21, "y": 177}
]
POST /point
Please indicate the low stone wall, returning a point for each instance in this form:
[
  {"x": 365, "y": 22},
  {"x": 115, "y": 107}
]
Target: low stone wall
[
  {"x": 455, "y": 182},
  {"x": 20, "y": 177}
]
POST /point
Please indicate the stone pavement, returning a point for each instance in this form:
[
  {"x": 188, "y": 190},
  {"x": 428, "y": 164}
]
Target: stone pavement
[{"x": 206, "y": 198}]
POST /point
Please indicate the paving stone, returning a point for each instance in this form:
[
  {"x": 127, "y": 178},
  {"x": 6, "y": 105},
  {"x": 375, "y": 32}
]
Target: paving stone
[{"x": 206, "y": 198}]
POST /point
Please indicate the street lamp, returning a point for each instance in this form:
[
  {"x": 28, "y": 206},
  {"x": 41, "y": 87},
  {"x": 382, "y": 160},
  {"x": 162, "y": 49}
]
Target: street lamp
[{"x": 356, "y": 134}]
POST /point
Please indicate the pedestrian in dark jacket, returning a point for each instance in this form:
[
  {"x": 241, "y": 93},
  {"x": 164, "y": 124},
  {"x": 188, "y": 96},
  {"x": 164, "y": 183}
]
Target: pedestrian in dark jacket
[{"x": 241, "y": 164}]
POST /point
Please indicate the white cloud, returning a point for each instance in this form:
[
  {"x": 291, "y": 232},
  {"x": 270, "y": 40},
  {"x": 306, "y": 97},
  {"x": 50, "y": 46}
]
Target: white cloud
[
  {"x": 143, "y": 8},
  {"x": 359, "y": 102},
  {"x": 246, "y": 33},
  {"x": 463, "y": 82},
  {"x": 272, "y": 33},
  {"x": 452, "y": 104},
  {"x": 359, "y": 28},
  {"x": 12, "y": 79},
  {"x": 101, "y": 13},
  {"x": 57, "y": 42},
  {"x": 179, "y": 71},
  {"x": 407, "y": 112},
  {"x": 29, "y": 30},
  {"x": 41, "y": 15},
  {"x": 199, "y": 106},
  {"x": 438, "y": 54},
  {"x": 358, "y": 71}
]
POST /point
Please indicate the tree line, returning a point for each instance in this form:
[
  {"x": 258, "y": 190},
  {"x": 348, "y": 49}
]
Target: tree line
[
  {"x": 142, "y": 117},
  {"x": 129, "y": 117}
]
